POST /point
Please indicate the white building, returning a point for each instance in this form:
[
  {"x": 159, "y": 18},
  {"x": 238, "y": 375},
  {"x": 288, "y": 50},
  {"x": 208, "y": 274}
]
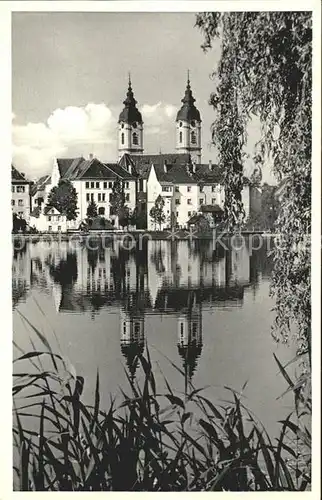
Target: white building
[
  {"x": 186, "y": 186},
  {"x": 48, "y": 219}
]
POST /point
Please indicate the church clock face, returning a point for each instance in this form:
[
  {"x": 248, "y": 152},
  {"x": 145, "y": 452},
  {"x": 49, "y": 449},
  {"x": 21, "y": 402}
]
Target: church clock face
[
  {"x": 193, "y": 123},
  {"x": 134, "y": 125}
]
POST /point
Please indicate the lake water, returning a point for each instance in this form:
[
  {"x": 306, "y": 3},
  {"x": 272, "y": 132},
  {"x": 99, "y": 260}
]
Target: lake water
[{"x": 206, "y": 309}]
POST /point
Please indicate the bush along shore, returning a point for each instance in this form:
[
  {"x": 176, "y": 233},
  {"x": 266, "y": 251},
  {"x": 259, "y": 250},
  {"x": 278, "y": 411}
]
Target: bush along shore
[{"x": 150, "y": 441}]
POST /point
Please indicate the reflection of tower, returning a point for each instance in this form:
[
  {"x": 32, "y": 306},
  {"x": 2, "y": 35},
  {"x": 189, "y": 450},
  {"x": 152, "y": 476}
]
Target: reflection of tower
[
  {"x": 132, "y": 334},
  {"x": 57, "y": 295},
  {"x": 190, "y": 336}
]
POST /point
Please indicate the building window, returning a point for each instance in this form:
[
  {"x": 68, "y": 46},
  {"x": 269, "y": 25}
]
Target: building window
[
  {"x": 201, "y": 189},
  {"x": 181, "y": 329},
  {"x": 12, "y": 189},
  {"x": 58, "y": 218},
  {"x": 166, "y": 188},
  {"x": 59, "y": 228},
  {"x": 213, "y": 201},
  {"x": 12, "y": 202},
  {"x": 180, "y": 137},
  {"x": 20, "y": 189},
  {"x": 110, "y": 196},
  {"x": 135, "y": 139},
  {"x": 50, "y": 228},
  {"x": 177, "y": 201},
  {"x": 188, "y": 189},
  {"x": 87, "y": 196},
  {"x": 101, "y": 211},
  {"x": 213, "y": 188},
  {"x": 122, "y": 138},
  {"x": 87, "y": 185},
  {"x": 92, "y": 185},
  {"x": 127, "y": 197},
  {"x": 177, "y": 214},
  {"x": 49, "y": 217},
  {"x": 20, "y": 203},
  {"x": 103, "y": 197},
  {"x": 97, "y": 185},
  {"x": 189, "y": 201},
  {"x": 141, "y": 185},
  {"x": 189, "y": 214},
  {"x": 110, "y": 185},
  {"x": 180, "y": 124},
  {"x": 126, "y": 185},
  {"x": 99, "y": 197},
  {"x": 104, "y": 185},
  {"x": 200, "y": 201},
  {"x": 193, "y": 138},
  {"x": 92, "y": 196}
]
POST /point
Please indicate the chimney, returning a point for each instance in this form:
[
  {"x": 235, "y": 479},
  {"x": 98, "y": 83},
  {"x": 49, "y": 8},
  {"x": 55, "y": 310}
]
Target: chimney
[
  {"x": 91, "y": 156},
  {"x": 210, "y": 165}
]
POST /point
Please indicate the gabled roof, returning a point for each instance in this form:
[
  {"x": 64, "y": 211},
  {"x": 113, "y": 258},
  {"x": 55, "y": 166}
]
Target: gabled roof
[
  {"x": 40, "y": 184},
  {"x": 142, "y": 163},
  {"x": 17, "y": 176},
  {"x": 49, "y": 209},
  {"x": 67, "y": 165},
  {"x": 208, "y": 173},
  {"x": 126, "y": 162},
  {"x": 118, "y": 170}
]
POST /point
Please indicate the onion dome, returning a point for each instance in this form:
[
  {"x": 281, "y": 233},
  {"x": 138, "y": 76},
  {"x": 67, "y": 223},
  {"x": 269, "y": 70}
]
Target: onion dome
[
  {"x": 188, "y": 110},
  {"x": 130, "y": 113}
]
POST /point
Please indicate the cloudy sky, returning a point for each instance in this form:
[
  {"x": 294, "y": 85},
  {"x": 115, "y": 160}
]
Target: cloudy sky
[{"x": 70, "y": 73}]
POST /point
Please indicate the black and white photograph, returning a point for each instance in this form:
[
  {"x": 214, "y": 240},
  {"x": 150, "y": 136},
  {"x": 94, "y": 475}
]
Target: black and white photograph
[{"x": 161, "y": 244}]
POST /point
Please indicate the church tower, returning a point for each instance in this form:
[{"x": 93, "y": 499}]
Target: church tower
[
  {"x": 130, "y": 126},
  {"x": 188, "y": 127}
]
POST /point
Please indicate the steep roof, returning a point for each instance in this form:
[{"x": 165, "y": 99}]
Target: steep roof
[
  {"x": 35, "y": 212},
  {"x": 208, "y": 173},
  {"x": 17, "y": 176},
  {"x": 40, "y": 184},
  {"x": 143, "y": 163},
  {"x": 49, "y": 208},
  {"x": 67, "y": 165},
  {"x": 117, "y": 169}
]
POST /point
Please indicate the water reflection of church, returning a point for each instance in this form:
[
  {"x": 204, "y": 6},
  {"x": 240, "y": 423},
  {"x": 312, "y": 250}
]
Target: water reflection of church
[{"x": 174, "y": 278}]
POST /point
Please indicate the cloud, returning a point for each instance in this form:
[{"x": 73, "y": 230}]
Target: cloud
[
  {"x": 78, "y": 131},
  {"x": 158, "y": 118}
]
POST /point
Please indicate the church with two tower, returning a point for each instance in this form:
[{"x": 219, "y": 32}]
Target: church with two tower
[{"x": 187, "y": 186}]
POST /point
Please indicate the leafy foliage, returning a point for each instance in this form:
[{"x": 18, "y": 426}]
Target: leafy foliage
[
  {"x": 157, "y": 212},
  {"x": 64, "y": 198},
  {"x": 267, "y": 217},
  {"x": 164, "y": 441},
  {"x": 124, "y": 216},
  {"x": 117, "y": 198},
  {"x": 265, "y": 69},
  {"x": 18, "y": 224},
  {"x": 91, "y": 211}
]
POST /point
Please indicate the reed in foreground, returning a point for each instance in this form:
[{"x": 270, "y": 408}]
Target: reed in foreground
[{"x": 151, "y": 441}]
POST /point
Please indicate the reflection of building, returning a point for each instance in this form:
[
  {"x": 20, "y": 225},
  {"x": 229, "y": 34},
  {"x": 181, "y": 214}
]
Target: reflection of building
[
  {"x": 132, "y": 327},
  {"x": 190, "y": 336}
]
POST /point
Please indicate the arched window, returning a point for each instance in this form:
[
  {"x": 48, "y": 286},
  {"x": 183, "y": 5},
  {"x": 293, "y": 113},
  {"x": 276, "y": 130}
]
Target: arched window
[
  {"x": 101, "y": 211},
  {"x": 135, "y": 139},
  {"x": 193, "y": 138},
  {"x": 180, "y": 137},
  {"x": 122, "y": 138}
]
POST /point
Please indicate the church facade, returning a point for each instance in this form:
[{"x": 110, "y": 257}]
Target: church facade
[{"x": 185, "y": 185}]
